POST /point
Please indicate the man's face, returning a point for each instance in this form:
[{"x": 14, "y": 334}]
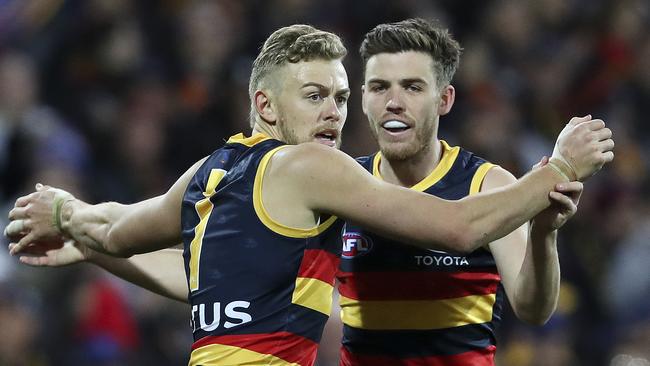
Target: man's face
[
  {"x": 312, "y": 101},
  {"x": 402, "y": 101}
]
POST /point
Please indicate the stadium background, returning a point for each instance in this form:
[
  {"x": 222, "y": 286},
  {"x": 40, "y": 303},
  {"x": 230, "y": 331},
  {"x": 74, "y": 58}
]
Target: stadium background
[{"x": 114, "y": 99}]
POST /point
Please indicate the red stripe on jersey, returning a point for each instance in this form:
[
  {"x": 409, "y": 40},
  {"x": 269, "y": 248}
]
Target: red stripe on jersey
[
  {"x": 481, "y": 357},
  {"x": 287, "y": 346},
  {"x": 416, "y": 285},
  {"x": 319, "y": 264}
]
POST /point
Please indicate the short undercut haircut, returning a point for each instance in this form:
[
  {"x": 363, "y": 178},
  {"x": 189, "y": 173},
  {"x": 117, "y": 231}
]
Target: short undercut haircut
[
  {"x": 415, "y": 35},
  {"x": 291, "y": 44}
]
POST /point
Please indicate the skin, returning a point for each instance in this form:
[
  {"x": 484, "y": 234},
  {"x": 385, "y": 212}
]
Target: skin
[
  {"x": 528, "y": 264},
  {"x": 304, "y": 181}
]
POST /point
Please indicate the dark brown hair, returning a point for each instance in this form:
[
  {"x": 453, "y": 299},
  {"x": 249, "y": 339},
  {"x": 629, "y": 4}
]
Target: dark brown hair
[{"x": 415, "y": 35}]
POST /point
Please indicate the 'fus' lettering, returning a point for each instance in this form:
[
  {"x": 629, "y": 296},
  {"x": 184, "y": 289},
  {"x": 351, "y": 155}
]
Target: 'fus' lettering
[{"x": 233, "y": 315}]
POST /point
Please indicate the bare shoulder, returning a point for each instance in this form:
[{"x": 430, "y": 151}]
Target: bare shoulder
[
  {"x": 307, "y": 159},
  {"x": 497, "y": 177}
]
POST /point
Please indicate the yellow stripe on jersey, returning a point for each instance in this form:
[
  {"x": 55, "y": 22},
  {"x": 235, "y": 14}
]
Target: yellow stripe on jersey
[
  {"x": 204, "y": 209},
  {"x": 314, "y": 294},
  {"x": 478, "y": 178},
  {"x": 417, "y": 315},
  {"x": 262, "y": 214},
  {"x": 222, "y": 355},
  {"x": 449, "y": 155},
  {"x": 248, "y": 141}
]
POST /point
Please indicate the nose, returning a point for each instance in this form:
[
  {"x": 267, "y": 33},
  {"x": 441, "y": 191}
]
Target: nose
[
  {"x": 394, "y": 103},
  {"x": 332, "y": 111}
]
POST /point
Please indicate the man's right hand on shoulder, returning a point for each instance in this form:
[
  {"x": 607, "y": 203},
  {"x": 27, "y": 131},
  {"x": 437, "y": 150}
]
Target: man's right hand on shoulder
[{"x": 583, "y": 147}]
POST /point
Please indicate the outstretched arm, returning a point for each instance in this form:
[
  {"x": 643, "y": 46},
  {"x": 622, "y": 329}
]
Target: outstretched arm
[
  {"x": 50, "y": 215},
  {"x": 328, "y": 181},
  {"x": 161, "y": 272}
]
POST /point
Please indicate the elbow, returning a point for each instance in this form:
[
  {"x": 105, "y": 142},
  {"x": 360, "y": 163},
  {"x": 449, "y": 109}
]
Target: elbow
[
  {"x": 535, "y": 320},
  {"x": 535, "y": 317},
  {"x": 460, "y": 241},
  {"x": 464, "y": 239},
  {"x": 467, "y": 235}
]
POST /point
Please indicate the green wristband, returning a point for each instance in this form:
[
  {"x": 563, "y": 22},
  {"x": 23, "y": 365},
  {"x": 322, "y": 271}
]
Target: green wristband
[{"x": 56, "y": 213}]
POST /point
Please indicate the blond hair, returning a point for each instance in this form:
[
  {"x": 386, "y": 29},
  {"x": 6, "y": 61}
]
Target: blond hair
[{"x": 291, "y": 44}]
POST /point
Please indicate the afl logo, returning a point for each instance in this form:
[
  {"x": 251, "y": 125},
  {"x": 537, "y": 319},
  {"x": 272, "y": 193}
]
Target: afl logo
[{"x": 355, "y": 244}]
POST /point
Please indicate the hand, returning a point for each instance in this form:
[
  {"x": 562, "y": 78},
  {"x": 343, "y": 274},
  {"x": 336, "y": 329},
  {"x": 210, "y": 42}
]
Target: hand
[
  {"x": 69, "y": 252},
  {"x": 585, "y": 145},
  {"x": 32, "y": 221},
  {"x": 564, "y": 204}
]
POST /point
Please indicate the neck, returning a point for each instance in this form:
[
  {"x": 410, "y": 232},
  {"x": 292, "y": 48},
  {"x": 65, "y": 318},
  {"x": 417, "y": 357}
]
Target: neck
[
  {"x": 411, "y": 171},
  {"x": 268, "y": 130}
]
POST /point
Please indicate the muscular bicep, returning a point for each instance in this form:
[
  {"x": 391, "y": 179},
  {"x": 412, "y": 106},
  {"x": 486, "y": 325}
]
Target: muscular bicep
[{"x": 330, "y": 182}]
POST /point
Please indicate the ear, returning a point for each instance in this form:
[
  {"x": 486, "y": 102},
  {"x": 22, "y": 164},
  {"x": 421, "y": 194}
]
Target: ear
[
  {"x": 265, "y": 109},
  {"x": 363, "y": 99},
  {"x": 447, "y": 97}
]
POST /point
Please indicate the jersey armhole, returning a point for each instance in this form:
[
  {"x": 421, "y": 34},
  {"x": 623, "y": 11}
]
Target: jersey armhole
[{"x": 265, "y": 218}]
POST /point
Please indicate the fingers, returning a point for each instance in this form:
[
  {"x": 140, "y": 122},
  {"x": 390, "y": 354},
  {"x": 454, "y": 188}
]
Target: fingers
[
  {"x": 573, "y": 190},
  {"x": 18, "y": 213},
  {"x": 24, "y": 200},
  {"x": 577, "y": 120},
  {"x": 606, "y": 145},
  {"x": 20, "y": 246},
  {"x": 565, "y": 203},
  {"x": 15, "y": 228},
  {"x": 603, "y": 134},
  {"x": 608, "y": 156},
  {"x": 34, "y": 261},
  {"x": 28, "y": 250},
  {"x": 569, "y": 187},
  {"x": 595, "y": 124}
]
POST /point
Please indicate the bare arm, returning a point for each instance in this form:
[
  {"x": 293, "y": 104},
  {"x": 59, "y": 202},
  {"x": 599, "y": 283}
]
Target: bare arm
[
  {"x": 534, "y": 288},
  {"x": 161, "y": 272},
  {"x": 527, "y": 259},
  {"x": 110, "y": 227},
  {"x": 327, "y": 181}
]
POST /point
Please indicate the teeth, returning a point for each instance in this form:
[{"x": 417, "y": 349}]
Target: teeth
[{"x": 395, "y": 124}]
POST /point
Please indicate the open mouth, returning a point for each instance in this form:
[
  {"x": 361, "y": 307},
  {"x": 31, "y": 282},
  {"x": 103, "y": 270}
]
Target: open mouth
[
  {"x": 394, "y": 126},
  {"x": 326, "y": 138}
]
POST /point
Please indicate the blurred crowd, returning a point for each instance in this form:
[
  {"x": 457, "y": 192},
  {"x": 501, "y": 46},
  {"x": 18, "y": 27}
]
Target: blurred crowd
[{"x": 114, "y": 99}]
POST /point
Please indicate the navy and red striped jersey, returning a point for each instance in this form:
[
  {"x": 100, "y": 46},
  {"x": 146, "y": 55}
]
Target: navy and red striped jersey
[
  {"x": 260, "y": 291},
  {"x": 404, "y": 305}
]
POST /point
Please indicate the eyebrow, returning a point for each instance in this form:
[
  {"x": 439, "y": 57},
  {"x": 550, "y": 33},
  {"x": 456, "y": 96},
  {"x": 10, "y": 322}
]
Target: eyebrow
[
  {"x": 321, "y": 86},
  {"x": 343, "y": 91},
  {"x": 412, "y": 81},
  {"x": 401, "y": 81}
]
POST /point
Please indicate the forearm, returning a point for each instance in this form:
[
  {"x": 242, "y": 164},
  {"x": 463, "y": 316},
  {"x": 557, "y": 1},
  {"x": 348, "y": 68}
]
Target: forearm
[
  {"x": 537, "y": 286},
  {"x": 117, "y": 229},
  {"x": 91, "y": 225},
  {"x": 161, "y": 272},
  {"x": 489, "y": 216}
]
